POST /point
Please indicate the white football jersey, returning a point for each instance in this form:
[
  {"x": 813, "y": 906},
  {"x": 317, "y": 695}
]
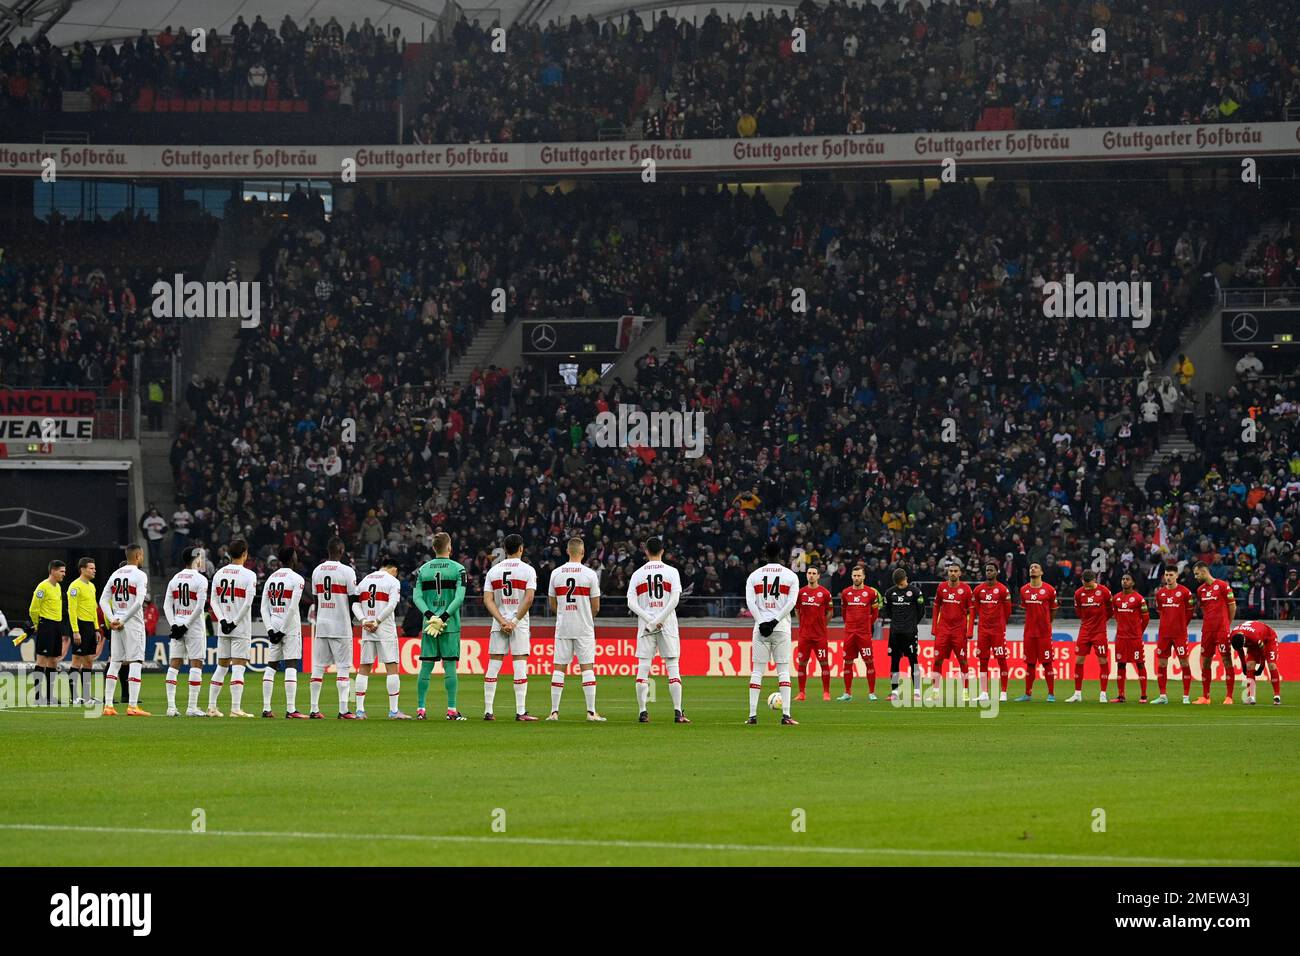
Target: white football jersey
[
  {"x": 280, "y": 596},
  {"x": 233, "y": 589},
  {"x": 378, "y": 595},
  {"x": 123, "y": 599},
  {"x": 187, "y": 596},
  {"x": 334, "y": 584},
  {"x": 573, "y": 586},
  {"x": 770, "y": 594},
  {"x": 652, "y": 595},
  {"x": 508, "y": 581}
]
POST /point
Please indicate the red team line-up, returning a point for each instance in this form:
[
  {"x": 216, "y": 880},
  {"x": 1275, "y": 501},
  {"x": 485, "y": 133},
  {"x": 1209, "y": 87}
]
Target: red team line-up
[{"x": 961, "y": 611}]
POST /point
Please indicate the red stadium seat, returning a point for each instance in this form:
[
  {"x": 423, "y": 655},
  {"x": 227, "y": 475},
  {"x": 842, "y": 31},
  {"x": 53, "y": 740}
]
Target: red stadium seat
[
  {"x": 193, "y": 106},
  {"x": 223, "y": 106},
  {"x": 178, "y": 104},
  {"x": 144, "y": 102},
  {"x": 239, "y": 106},
  {"x": 209, "y": 106},
  {"x": 300, "y": 106},
  {"x": 162, "y": 105},
  {"x": 254, "y": 106}
]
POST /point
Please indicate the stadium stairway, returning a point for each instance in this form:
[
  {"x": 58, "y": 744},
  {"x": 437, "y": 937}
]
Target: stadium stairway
[
  {"x": 1176, "y": 443},
  {"x": 480, "y": 348}
]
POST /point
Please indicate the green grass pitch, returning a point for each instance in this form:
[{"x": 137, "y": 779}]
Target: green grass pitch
[{"x": 876, "y": 785}]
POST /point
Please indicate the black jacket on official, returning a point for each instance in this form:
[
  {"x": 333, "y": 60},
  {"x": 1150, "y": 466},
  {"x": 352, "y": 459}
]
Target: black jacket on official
[{"x": 904, "y": 609}]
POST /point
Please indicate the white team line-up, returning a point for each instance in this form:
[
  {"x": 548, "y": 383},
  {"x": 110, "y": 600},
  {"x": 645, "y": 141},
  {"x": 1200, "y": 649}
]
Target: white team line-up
[{"x": 647, "y": 845}]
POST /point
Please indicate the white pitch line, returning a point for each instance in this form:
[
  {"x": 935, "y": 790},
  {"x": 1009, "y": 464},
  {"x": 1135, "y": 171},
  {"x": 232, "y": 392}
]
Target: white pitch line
[{"x": 651, "y": 845}]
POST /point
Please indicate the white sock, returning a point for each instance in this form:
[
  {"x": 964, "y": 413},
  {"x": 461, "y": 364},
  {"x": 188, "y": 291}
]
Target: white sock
[
  {"x": 490, "y": 684},
  {"x": 196, "y": 684},
  {"x": 557, "y": 689},
  {"x": 755, "y": 688},
  {"x": 110, "y": 683},
  {"x": 237, "y": 687},
  {"x": 589, "y": 689},
  {"x": 642, "y": 684},
  {"x": 783, "y": 681},
  {"x": 317, "y": 681},
  {"x": 521, "y": 685},
  {"x": 363, "y": 681},
  {"x": 133, "y": 691},
  {"x": 172, "y": 674},
  {"x": 291, "y": 690},
  {"x": 268, "y": 687},
  {"x": 214, "y": 685},
  {"x": 344, "y": 684},
  {"x": 394, "y": 684},
  {"x": 675, "y": 683}
]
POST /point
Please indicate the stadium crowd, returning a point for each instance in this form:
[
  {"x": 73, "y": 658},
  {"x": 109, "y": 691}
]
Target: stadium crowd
[
  {"x": 827, "y": 430},
  {"x": 322, "y": 64},
  {"x": 866, "y": 68}
]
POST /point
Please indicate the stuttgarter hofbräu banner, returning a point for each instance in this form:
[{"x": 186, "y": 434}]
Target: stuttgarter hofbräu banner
[
  {"x": 740, "y": 156},
  {"x": 723, "y": 650}
]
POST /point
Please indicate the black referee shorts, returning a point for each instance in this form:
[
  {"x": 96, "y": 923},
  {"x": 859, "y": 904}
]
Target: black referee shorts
[
  {"x": 49, "y": 638},
  {"x": 86, "y": 639}
]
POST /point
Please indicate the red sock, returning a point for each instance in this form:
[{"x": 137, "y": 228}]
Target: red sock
[
  {"x": 1030, "y": 676},
  {"x": 1232, "y": 681},
  {"x": 1104, "y": 669},
  {"x": 848, "y": 677},
  {"x": 826, "y": 678},
  {"x": 1050, "y": 677},
  {"x": 1187, "y": 682},
  {"x": 1277, "y": 684},
  {"x": 1205, "y": 680},
  {"x": 1078, "y": 678},
  {"x": 803, "y": 680},
  {"x": 1142, "y": 678},
  {"x": 1005, "y": 674},
  {"x": 1162, "y": 677},
  {"x": 1122, "y": 678}
]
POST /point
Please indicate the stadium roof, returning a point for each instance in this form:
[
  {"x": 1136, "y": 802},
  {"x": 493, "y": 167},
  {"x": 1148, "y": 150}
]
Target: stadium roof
[{"x": 116, "y": 19}]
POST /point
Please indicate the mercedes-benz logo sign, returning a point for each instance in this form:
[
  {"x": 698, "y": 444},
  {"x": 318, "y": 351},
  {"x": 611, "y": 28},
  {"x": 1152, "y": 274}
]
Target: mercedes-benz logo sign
[
  {"x": 1245, "y": 326},
  {"x": 544, "y": 337},
  {"x": 37, "y": 527}
]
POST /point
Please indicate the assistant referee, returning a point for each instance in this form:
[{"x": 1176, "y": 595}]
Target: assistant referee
[
  {"x": 83, "y": 621},
  {"x": 46, "y": 614}
]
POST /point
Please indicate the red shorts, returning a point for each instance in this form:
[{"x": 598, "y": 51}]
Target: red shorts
[
  {"x": 1038, "y": 650},
  {"x": 1128, "y": 650},
  {"x": 994, "y": 645},
  {"x": 946, "y": 644},
  {"x": 1086, "y": 643},
  {"x": 1176, "y": 644},
  {"x": 1211, "y": 644},
  {"x": 813, "y": 643},
  {"x": 857, "y": 645},
  {"x": 1261, "y": 653}
]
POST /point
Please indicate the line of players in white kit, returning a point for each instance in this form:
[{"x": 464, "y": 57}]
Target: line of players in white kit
[{"x": 574, "y": 591}]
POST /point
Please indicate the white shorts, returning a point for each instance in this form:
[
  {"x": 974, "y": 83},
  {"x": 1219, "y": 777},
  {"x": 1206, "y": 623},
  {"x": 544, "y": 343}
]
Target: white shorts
[
  {"x": 234, "y": 648},
  {"x": 581, "y": 649},
  {"x": 662, "y": 643},
  {"x": 774, "y": 648},
  {"x": 384, "y": 650},
  {"x": 125, "y": 647},
  {"x": 192, "y": 647},
  {"x": 289, "y": 649},
  {"x": 331, "y": 650},
  {"x": 517, "y": 643}
]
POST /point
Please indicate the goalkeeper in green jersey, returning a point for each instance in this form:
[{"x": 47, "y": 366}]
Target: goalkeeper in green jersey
[{"x": 439, "y": 593}]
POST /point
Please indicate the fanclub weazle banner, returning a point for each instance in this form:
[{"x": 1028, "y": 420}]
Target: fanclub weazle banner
[{"x": 716, "y": 155}]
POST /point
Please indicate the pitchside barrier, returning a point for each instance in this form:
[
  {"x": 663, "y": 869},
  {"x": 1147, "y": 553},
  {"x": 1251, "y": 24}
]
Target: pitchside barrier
[{"x": 720, "y": 650}]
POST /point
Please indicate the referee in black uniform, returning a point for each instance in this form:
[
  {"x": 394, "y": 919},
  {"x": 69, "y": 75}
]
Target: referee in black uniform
[
  {"x": 46, "y": 614},
  {"x": 904, "y": 608}
]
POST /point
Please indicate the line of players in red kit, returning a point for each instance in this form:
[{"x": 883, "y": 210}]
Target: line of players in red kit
[{"x": 959, "y": 609}]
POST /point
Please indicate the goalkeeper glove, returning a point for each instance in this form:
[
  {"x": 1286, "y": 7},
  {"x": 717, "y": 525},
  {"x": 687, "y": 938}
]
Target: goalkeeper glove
[
  {"x": 227, "y": 627},
  {"x": 1238, "y": 642},
  {"x": 434, "y": 627},
  {"x": 766, "y": 628},
  {"x": 178, "y": 631},
  {"x": 275, "y": 636}
]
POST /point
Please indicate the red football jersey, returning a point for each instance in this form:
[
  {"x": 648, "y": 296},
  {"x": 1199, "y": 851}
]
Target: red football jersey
[
  {"x": 814, "y": 607},
  {"x": 1256, "y": 632},
  {"x": 860, "y": 608},
  {"x": 992, "y": 603},
  {"x": 1092, "y": 605},
  {"x": 1038, "y": 603},
  {"x": 1213, "y": 598},
  {"x": 952, "y": 610},
  {"x": 1175, "y": 607},
  {"x": 1131, "y": 615}
]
